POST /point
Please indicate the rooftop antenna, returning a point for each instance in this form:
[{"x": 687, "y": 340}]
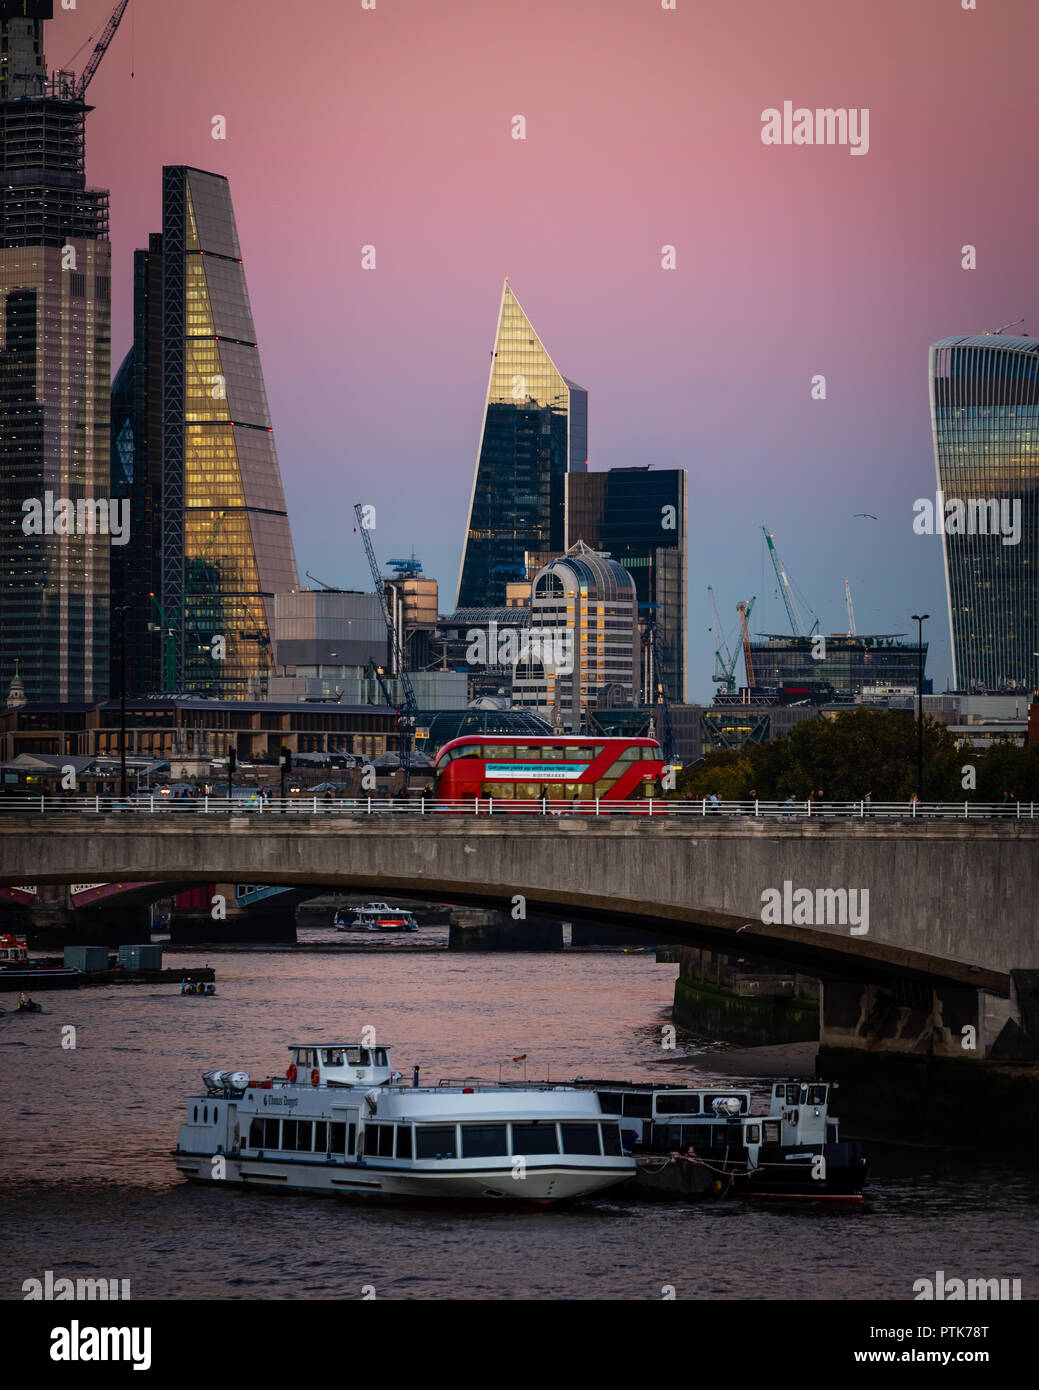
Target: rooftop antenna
[{"x": 995, "y": 331}]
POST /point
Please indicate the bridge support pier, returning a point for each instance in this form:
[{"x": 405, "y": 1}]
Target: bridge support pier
[{"x": 935, "y": 1063}]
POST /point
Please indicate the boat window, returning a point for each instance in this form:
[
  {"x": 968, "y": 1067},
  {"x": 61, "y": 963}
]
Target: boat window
[
  {"x": 535, "y": 1138},
  {"x": 305, "y": 1135},
  {"x": 338, "y": 1137},
  {"x": 639, "y": 1104},
  {"x": 321, "y": 1136},
  {"x": 816, "y": 1095},
  {"x": 484, "y": 1141},
  {"x": 350, "y": 1138},
  {"x": 403, "y": 1141},
  {"x": 678, "y": 1104},
  {"x": 753, "y": 1134},
  {"x": 611, "y": 1138},
  {"x": 435, "y": 1141},
  {"x": 256, "y": 1134},
  {"x": 581, "y": 1139},
  {"x": 380, "y": 1057},
  {"x": 205, "y": 1114},
  {"x": 793, "y": 1094},
  {"x": 332, "y": 1056},
  {"x": 288, "y": 1134},
  {"x": 272, "y": 1134},
  {"x": 771, "y": 1129},
  {"x": 195, "y": 1115},
  {"x": 378, "y": 1140},
  {"x": 353, "y": 1057},
  {"x": 610, "y": 1102},
  {"x": 831, "y": 1134}
]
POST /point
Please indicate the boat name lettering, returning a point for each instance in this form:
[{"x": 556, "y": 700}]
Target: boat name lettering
[{"x": 281, "y": 1100}]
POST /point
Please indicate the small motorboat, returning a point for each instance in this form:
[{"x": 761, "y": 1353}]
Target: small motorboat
[
  {"x": 375, "y": 917},
  {"x": 28, "y": 1006},
  {"x": 197, "y": 987}
]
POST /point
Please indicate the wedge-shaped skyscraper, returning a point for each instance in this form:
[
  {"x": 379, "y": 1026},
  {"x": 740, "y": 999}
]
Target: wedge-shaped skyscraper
[
  {"x": 193, "y": 446},
  {"x": 985, "y": 415},
  {"x": 535, "y": 431}
]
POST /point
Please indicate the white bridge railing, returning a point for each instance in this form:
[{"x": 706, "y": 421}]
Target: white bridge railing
[{"x": 303, "y": 805}]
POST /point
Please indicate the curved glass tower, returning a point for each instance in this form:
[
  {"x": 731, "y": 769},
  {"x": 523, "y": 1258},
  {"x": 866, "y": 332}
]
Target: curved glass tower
[
  {"x": 535, "y": 431},
  {"x": 985, "y": 418}
]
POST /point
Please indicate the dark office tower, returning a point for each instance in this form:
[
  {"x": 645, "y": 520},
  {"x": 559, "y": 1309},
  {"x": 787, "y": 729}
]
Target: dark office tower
[
  {"x": 55, "y": 325},
  {"x": 535, "y": 431},
  {"x": 984, "y": 412},
  {"x": 205, "y": 570},
  {"x": 638, "y": 517}
]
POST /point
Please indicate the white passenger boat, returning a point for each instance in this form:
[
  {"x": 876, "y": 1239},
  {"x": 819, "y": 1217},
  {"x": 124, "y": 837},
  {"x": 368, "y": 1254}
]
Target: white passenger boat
[
  {"x": 340, "y": 1121},
  {"x": 375, "y": 917}
]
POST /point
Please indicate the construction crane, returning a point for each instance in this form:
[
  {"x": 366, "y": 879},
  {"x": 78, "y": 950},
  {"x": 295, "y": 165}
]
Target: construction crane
[
  {"x": 101, "y": 48},
  {"x": 851, "y": 610},
  {"x": 724, "y": 663},
  {"x": 667, "y": 742},
  {"x": 796, "y": 625},
  {"x": 743, "y": 609},
  {"x": 407, "y": 711}
]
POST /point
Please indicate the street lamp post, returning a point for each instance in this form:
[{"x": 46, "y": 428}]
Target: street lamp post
[
  {"x": 122, "y": 699},
  {"x": 920, "y": 619}
]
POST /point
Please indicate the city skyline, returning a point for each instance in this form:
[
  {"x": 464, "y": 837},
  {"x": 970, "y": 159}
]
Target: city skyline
[{"x": 797, "y": 264}]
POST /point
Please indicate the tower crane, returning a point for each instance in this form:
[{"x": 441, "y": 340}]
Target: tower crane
[
  {"x": 667, "y": 742},
  {"x": 101, "y": 48},
  {"x": 743, "y": 609},
  {"x": 796, "y": 625},
  {"x": 407, "y": 711},
  {"x": 724, "y": 663}
]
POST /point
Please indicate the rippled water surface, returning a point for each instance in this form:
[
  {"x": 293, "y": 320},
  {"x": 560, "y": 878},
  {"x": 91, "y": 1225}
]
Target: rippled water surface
[{"x": 90, "y": 1187}]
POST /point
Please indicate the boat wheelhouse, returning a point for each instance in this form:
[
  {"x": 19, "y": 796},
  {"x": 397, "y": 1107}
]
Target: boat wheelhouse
[
  {"x": 340, "y": 1121},
  {"x": 794, "y": 1150}
]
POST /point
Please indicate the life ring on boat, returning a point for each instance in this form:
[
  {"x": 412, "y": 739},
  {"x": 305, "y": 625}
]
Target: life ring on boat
[
  {"x": 315, "y": 1077},
  {"x": 291, "y": 1073}
]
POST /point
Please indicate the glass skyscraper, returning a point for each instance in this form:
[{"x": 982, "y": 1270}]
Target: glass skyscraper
[
  {"x": 535, "y": 431},
  {"x": 55, "y": 355},
  {"x": 638, "y": 516},
  {"x": 190, "y": 418},
  {"x": 985, "y": 417}
]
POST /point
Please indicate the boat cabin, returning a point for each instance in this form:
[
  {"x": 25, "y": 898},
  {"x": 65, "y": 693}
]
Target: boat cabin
[
  {"x": 341, "y": 1064},
  {"x": 13, "y": 948}
]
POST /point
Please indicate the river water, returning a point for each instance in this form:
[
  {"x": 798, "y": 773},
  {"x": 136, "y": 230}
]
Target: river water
[{"x": 90, "y": 1188}]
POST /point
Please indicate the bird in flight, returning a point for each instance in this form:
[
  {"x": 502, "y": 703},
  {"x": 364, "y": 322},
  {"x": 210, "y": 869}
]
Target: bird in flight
[{"x": 869, "y": 514}]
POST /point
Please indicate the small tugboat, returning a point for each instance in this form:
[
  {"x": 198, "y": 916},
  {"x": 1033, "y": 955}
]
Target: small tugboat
[
  {"x": 197, "y": 987},
  {"x": 375, "y": 917},
  {"x": 339, "y": 1121},
  {"x": 16, "y": 969},
  {"x": 697, "y": 1142}
]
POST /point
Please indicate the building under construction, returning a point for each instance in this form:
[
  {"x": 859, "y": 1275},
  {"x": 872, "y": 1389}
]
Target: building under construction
[{"x": 848, "y": 664}]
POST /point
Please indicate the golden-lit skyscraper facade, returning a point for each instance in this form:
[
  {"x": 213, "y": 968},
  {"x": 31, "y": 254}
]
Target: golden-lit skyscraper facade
[{"x": 205, "y": 441}]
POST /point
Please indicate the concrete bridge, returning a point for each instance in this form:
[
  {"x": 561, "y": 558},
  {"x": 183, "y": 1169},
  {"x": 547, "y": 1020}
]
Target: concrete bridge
[
  {"x": 950, "y": 901},
  {"x": 946, "y": 974}
]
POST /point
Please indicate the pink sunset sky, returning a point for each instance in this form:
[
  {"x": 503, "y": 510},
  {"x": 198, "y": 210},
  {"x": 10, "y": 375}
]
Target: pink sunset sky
[{"x": 392, "y": 127}]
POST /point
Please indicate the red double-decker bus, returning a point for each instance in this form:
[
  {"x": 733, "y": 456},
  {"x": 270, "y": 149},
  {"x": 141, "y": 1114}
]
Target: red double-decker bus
[{"x": 518, "y": 773}]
